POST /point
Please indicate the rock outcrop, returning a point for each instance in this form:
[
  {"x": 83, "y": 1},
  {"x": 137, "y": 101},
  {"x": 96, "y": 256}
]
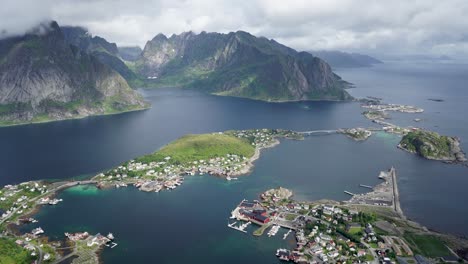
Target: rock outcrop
[{"x": 431, "y": 145}]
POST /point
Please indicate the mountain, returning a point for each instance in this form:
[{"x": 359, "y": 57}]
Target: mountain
[
  {"x": 105, "y": 52},
  {"x": 130, "y": 53},
  {"x": 338, "y": 59},
  {"x": 43, "y": 78},
  {"x": 238, "y": 64}
]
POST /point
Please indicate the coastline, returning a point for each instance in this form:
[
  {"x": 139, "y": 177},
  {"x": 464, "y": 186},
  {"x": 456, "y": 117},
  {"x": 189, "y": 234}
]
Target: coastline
[
  {"x": 246, "y": 170},
  {"x": 74, "y": 118}
]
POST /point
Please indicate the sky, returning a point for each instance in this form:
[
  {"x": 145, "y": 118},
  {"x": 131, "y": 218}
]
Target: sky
[{"x": 430, "y": 27}]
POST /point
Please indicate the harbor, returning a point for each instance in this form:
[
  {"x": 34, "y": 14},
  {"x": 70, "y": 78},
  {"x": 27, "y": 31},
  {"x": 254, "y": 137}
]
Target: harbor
[
  {"x": 384, "y": 194},
  {"x": 241, "y": 227}
]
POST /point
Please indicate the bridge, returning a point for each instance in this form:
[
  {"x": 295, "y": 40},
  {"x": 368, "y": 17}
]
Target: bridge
[
  {"x": 318, "y": 132},
  {"x": 332, "y": 131}
]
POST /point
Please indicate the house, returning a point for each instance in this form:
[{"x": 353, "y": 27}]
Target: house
[{"x": 261, "y": 218}]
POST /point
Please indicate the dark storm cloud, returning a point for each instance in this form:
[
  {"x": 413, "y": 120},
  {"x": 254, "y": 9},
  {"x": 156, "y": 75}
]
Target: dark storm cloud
[{"x": 429, "y": 26}]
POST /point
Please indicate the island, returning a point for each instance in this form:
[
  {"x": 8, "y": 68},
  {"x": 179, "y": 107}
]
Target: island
[
  {"x": 376, "y": 115},
  {"x": 431, "y": 145},
  {"x": 393, "y": 107},
  {"x": 358, "y": 134},
  {"x": 427, "y": 144},
  {"x": 228, "y": 155},
  {"x": 369, "y": 228},
  {"x": 224, "y": 154}
]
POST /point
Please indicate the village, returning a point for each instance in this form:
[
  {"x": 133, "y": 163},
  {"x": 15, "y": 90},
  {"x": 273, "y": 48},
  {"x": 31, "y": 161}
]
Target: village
[
  {"x": 358, "y": 134},
  {"x": 325, "y": 232},
  {"x": 333, "y": 232},
  {"x": 19, "y": 201},
  {"x": 393, "y": 107},
  {"x": 166, "y": 174}
]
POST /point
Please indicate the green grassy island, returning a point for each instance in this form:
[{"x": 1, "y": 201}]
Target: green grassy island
[
  {"x": 224, "y": 154},
  {"x": 191, "y": 148},
  {"x": 431, "y": 145}
]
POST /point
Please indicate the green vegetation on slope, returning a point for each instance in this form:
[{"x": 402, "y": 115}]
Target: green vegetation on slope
[
  {"x": 427, "y": 245},
  {"x": 428, "y": 144},
  {"x": 201, "y": 147},
  {"x": 10, "y": 253}
]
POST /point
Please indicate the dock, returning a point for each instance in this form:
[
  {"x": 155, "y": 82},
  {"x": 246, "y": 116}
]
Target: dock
[
  {"x": 287, "y": 234},
  {"x": 350, "y": 193},
  {"x": 239, "y": 228},
  {"x": 366, "y": 186}
]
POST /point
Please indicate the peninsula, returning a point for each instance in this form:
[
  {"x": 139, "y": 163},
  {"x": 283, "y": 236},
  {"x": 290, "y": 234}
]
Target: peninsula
[{"x": 369, "y": 228}]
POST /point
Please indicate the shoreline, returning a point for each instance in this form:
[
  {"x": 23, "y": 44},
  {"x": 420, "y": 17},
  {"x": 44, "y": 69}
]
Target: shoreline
[
  {"x": 73, "y": 118},
  {"x": 351, "y": 99},
  {"x": 246, "y": 170}
]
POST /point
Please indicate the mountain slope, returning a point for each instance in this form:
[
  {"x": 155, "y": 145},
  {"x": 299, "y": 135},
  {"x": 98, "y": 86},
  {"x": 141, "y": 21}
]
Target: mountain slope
[
  {"x": 44, "y": 78},
  {"x": 338, "y": 59},
  {"x": 238, "y": 64},
  {"x": 104, "y": 51}
]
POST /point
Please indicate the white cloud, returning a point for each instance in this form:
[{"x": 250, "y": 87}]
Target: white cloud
[{"x": 400, "y": 26}]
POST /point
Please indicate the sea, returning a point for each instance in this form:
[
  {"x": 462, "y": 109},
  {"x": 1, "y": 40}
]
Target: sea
[{"x": 189, "y": 224}]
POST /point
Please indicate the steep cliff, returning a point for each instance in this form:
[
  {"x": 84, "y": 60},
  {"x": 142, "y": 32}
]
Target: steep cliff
[
  {"x": 42, "y": 78},
  {"x": 238, "y": 64},
  {"x": 106, "y": 52}
]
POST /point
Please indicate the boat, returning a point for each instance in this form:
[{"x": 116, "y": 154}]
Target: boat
[
  {"x": 110, "y": 236},
  {"x": 273, "y": 230},
  {"x": 37, "y": 231},
  {"x": 55, "y": 201}
]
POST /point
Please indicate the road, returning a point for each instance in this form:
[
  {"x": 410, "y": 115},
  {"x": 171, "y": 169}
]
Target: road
[{"x": 374, "y": 255}]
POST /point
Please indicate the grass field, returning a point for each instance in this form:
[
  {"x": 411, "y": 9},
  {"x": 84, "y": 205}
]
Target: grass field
[
  {"x": 201, "y": 147},
  {"x": 427, "y": 245},
  {"x": 290, "y": 217},
  {"x": 355, "y": 230}
]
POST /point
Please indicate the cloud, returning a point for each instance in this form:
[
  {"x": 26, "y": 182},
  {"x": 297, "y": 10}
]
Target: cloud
[{"x": 396, "y": 27}]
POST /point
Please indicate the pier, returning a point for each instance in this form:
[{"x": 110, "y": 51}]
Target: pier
[
  {"x": 350, "y": 193},
  {"x": 366, "y": 186},
  {"x": 396, "y": 194},
  {"x": 240, "y": 227}
]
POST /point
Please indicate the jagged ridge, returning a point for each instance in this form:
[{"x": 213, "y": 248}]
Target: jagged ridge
[{"x": 238, "y": 64}]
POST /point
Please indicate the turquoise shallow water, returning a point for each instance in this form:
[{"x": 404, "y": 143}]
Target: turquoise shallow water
[{"x": 189, "y": 224}]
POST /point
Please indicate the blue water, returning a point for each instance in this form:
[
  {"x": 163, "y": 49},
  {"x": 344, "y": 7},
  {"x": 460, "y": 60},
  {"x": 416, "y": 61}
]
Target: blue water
[{"x": 189, "y": 224}]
